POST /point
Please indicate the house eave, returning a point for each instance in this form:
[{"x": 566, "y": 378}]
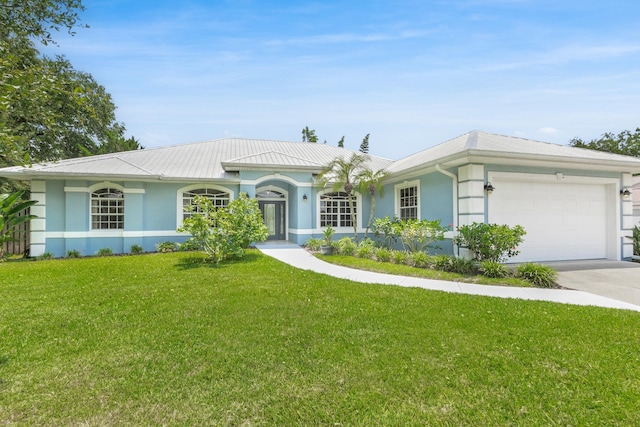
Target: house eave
[
  {"x": 31, "y": 175},
  {"x": 519, "y": 159}
]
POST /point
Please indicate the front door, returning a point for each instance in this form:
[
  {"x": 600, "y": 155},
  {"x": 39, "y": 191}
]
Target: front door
[{"x": 273, "y": 213}]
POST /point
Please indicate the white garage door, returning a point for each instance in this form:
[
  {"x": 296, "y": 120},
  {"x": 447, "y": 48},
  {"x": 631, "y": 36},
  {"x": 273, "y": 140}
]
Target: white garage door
[{"x": 563, "y": 221}]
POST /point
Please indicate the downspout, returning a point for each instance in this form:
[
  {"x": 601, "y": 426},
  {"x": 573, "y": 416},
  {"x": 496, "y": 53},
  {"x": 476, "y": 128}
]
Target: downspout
[{"x": 454, "y": 178}]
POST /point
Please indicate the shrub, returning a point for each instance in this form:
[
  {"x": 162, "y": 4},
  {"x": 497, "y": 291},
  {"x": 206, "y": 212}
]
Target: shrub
[
  {"x": 490, "y": 242},
  {"x": 420, "y": 260},
  {"x": 541, "y": 276},
  {"x": 417, "y": 236},
  {"x": 454, "y": 265},
  {"x": 225, "y": 232},
  {"x": 387, "y": 230},
  {"x": 11, "y": 208},
  {"x": 314, "y": 244},
  {"x": 104, "y": 252},
  {"x": 346, "y": 246},
  {"x": 400, "y": 257},
  {"x": 45, "y": 256},
  {"x": 189, "y": 245},
  {"x": 494, "y": 269},
  {"x": 383, "y": 255},
  {"x": 365, "y": 251},
  {"x": 73, "y": 253},
  {"x": 136, "y": 249},
  {"x": 165, "y": 247}
]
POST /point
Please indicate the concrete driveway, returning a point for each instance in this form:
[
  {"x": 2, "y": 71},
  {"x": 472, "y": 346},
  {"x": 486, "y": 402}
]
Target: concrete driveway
[{"x": 619, "y": 280}]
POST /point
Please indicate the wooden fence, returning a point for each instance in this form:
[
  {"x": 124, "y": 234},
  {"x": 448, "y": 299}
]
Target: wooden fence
[{"x": 20, "y": 244}]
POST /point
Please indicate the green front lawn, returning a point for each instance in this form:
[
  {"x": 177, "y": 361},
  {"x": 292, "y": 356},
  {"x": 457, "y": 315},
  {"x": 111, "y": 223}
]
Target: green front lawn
[{"x": 165, "y": 339}]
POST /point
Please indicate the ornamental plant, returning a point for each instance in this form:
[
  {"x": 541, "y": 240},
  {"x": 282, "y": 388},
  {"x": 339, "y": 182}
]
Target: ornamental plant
[
  {"x": 418, "y": 235},
  {"x": 490, "y": 242},
  {"x": 225, "y": 232},
  {"x": 12, "y": 209}
]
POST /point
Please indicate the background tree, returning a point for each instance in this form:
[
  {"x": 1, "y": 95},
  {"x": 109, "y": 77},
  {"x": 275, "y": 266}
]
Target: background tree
[
  {"x": 48, "y": 110},
  {"x": 38, "y": 18},
  {"x": 11, "y": 215},
  {"x": 341, "y": 142},
  {"x": 371, "y": 182},
  {"x": 364, "y": 146},
  {"x": 626, "y": 142},
  {"x": 343, "y": 175},
  {"x": 309, "y": 135}
]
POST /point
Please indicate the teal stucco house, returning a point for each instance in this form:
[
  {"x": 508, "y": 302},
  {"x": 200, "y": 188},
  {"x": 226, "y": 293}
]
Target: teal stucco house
[{"x": 574, "y": 203}]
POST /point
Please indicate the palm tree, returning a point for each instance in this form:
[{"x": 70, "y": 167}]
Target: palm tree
[
  {"x": 371, "y": 182},
  {"x": 343, "y": 175}
]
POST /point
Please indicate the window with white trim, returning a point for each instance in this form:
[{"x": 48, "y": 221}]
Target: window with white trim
[
  {"x": 219, "y": 199},
  {"x": 107, "y": 209},
  {"x": 408, "y": 198},
  {"x": 335, "y": 210}
]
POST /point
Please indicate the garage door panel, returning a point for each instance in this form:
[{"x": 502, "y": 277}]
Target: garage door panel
[{"x": 563, "y": 221}]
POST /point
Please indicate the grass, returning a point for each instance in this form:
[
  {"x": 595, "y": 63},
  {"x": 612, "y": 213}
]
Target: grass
[
  {"x": 425, "y": 273},
  {"x": 164, "y": 339}
]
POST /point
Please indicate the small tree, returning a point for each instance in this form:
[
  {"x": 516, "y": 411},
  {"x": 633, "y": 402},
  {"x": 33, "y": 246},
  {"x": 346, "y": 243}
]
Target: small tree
[
  {"x": 418, "y": 235},
  {"x": 364, "y": 145},
  {"x": 344, "y": 174},
  {"x": 490, "y": 242},
  {"x": 225, "y": 232},
  {"x": 12, "y": 207},
  {"x": 371, "y": 182}
]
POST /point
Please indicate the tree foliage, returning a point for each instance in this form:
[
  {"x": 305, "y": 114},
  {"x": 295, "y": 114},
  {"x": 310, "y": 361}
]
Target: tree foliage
[
  {"x": 38, "y": 18},
  {"x": 49, "y": 110},
  {"x": 225, "y": 232},
  {"x": 343, "y": 174},
  {"x": 626, "y": 142},
  {"x": 364, "y": 145},
  {"x": 309, "y": 135},
  {"x": 490, "y": 242},
  {"x": 12, "y": 207}
]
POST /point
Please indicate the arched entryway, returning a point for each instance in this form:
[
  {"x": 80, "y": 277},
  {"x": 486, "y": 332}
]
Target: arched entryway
[{"x": 273, "y": 205}]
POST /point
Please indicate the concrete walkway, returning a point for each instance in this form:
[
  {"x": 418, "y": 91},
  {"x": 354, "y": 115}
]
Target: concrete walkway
[{"x": 296, "y": 256}]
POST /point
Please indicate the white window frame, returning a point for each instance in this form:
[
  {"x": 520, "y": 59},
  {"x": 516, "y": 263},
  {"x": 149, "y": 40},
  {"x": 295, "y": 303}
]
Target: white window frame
[
  {"x": 403, "y": 186},
  {"x": 341, "y": 229},
  {"x": 180, "y": 198},
  {"x": 103, "y": 186}
]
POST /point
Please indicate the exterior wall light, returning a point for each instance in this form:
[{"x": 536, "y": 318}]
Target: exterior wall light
[
  {"x": 305, "y": 198},
  {"x": 625, "y": 192},
  {"x": 489, "y": 188}
]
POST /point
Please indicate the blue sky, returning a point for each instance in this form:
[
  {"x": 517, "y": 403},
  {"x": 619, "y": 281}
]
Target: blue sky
[{"x": 410, "y": 73}]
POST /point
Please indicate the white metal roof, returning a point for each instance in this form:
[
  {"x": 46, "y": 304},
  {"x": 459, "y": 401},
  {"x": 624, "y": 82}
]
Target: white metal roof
[
  {"x": 484, "y": 147},
  {"x": 220, "y": 159},
  {"x": 209, "y": 160}
]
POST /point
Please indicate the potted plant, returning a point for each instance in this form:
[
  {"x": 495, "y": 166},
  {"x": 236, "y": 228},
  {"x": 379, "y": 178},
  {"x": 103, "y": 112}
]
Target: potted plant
[{"x": 327, "y": 246}]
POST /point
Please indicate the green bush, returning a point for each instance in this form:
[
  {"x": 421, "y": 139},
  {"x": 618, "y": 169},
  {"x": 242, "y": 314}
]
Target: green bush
[
  {"x": 387, "y": 230},
  {"x": 45, "y": 256},
  {"x": 73, "y": 253},
  {"x": 225, "y": 232},
  {"x": 454, "y": 265},
  {"x": 365, "y": 251},
  {"x": 313, "y": 244},
  {"x": 490, "y": 242},
  {"x": 400, "y": 257},
  {"x": 538, "y": 275},
  {"x": 420, "y": 259},
  {"x": 136, "y": 249},
  {"x": 104, "y": 252},
  {"x": 383, "y": 255},
  {"x": 418, "y": 235},
  {"x": 494, "y": 269},
  {"x": 346, "y": 246},
  {"x": 189, "y": 245},
  {"x": 164, "y": 247}
]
